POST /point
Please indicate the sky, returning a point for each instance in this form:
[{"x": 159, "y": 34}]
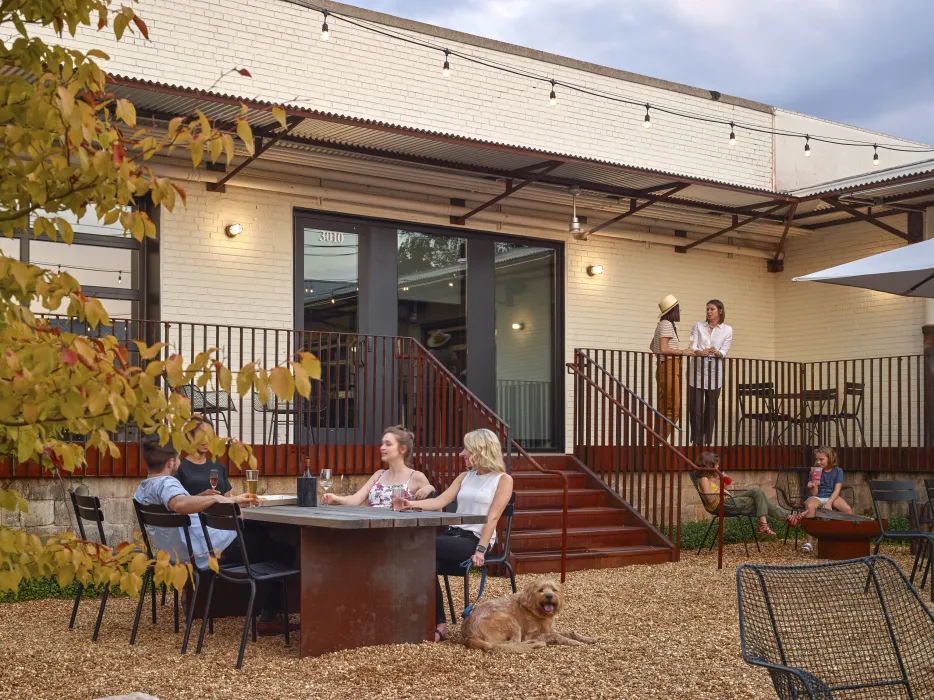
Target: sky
[{"x": 869, "y": 63}]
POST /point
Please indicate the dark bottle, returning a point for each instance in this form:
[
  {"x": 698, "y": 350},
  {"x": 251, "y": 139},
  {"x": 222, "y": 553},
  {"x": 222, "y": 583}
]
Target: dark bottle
[{"x": 307, "y": 487}]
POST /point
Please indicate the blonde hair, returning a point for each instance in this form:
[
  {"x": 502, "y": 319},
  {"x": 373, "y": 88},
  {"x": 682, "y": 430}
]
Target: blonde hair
[
  {"x": 485, "y": 450},
  {"x": 827, "y": 452},
  {"x": 406, "y": 439}
]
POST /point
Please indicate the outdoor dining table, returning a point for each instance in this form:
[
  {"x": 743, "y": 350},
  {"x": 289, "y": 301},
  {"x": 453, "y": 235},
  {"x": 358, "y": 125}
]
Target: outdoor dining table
[
  {"x": 367, "y": 574},
  {"x": 800, "y": 409}
]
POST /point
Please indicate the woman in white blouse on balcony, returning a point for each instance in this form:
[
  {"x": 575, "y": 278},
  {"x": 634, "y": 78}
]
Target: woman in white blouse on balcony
[{"x": 711, "y": 341}]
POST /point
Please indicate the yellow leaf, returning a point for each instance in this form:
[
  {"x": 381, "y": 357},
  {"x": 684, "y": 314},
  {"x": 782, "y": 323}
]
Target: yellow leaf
[
  {"x": 148, "y": 352},
  {"x": 173, "y": 370},
  {"x": 279, "y": 114},
  {"x": 180, "y": 577},
  {"x": 245, "y": 378},
  {"x": 213, "y": 565},
  {"x": 282, "y": 383},
  {"x": 126, "y": 112},
  {"x": 246, "y": 134},
  {"x": 65, "y": 230},
  {"x": 311, "y": 364},
  {"x": 224, "y": 378},
  {"x": 302, "y": 383}
]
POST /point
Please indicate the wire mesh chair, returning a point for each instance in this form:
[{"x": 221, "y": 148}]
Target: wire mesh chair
[
  {"x": 730, "y": 510},
  {"x": 89, "y": 508},
  {"x": 500, "y": 558},
  {"x": 897, "y": 492},
  {"x": 849, "y": 629},
  {"x": 208, "y": 402}
]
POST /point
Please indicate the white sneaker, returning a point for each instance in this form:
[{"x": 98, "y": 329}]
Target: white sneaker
[{"x": 807, "y": 548}]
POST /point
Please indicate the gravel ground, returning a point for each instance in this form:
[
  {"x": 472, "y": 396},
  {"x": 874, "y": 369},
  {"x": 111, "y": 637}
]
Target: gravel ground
[{"x": 666, "y": 631}]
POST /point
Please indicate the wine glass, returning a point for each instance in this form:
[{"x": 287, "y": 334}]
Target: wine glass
[
  {"x": 213, "y": 477},
  {"x": 326, "y": 478}
]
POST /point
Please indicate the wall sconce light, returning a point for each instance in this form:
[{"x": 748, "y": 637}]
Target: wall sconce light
[
  {"x": 593, "y": 270},
  {"x": 518, "y": 326},
  {"x": 233, "y": 230}
]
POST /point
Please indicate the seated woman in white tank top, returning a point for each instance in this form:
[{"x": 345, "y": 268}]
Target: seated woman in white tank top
[
  {"x": 395, "y": 450},
  {"x": 484, "y": 489}
]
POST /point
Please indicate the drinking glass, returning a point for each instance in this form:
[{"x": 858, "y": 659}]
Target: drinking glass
[
  {"x": 398, "y": 497},
  {"x": 326, "y": 478},
  {"x": 252, "y": 481},
  {"x": 213, "y": 476}
]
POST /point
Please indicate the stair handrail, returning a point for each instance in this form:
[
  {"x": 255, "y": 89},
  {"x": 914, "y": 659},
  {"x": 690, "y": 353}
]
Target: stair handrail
[
  {"x": 576, "y": 368},
  {"x": 510, "y": 445}
]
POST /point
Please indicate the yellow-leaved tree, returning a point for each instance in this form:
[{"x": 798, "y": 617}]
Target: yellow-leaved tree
[{"x": 67, "y": 145}]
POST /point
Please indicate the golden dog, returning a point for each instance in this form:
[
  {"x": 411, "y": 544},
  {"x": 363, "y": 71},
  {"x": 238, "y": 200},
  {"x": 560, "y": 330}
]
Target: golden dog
[{"x": 520, "y": 622}]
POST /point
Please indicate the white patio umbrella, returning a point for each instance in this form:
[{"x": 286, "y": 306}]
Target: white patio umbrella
[{"x": 907, "y": 271}]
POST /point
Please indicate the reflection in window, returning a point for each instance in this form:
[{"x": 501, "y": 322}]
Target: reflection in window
[
  {"x": 432, "y": 296},
  {"x": 330, "y": 292},
  {"x": 525, "y": 327}
]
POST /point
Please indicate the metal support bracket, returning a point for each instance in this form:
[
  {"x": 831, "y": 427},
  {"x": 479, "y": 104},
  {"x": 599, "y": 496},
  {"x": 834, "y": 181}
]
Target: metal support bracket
[
  {"x": 511, "y": 188},
  {"x": 261, "y": 144}
]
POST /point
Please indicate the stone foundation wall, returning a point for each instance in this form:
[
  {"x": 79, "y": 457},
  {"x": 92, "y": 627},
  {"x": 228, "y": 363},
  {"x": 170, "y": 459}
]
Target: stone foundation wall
[{"x": 50, "y": 510}]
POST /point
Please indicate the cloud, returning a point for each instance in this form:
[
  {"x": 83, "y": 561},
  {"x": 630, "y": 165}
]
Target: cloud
[{"x": 845, "y": 60}]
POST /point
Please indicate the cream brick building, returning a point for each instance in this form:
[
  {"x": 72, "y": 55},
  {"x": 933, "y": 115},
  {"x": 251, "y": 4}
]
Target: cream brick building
[{"x": 197, "y": 274}]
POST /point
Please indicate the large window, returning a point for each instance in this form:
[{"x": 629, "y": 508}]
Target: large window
[
  {"x": 330, "y": 289},
  {"x": 432, "y": 296}
]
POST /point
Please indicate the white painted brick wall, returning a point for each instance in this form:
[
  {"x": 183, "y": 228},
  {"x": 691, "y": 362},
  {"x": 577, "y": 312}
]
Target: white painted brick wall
[
  {"x": 823, "y": 321},
  {"x": 362, "y": 74}
]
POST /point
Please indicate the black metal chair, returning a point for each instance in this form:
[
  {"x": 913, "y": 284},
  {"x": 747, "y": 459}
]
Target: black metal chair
[
  {"x": 89, "y": 508},
  {"x": 926, "y": 524},
  {"x": 226, "y": 516},
  {"x": 894, "y": 493},
  {"x": 730, "y": 510},
  {"x": 791, "y": 493},
  {"x": 755, "y": 403},
  {"x": 851, "y": 409},
  {"x": 155, "y": 515},
  {"x": 848, "y": 629},
  {"x": 208, "y": 402},
  {"x": 501, "y": 558}
]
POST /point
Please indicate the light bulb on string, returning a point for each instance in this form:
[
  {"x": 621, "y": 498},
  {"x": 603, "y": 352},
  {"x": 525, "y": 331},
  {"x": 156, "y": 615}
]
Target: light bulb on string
[
  {"x": 325, "y": 31},
  {"x": 553, "y": 98},
  {"x": 647, "y": 122},
  {"x": 446, "y": 69},
  {"x": 119, "y": 276},
  {"x": 807, "y": 147},
  {"x": 875, "y": 154},
  {"x": 732, "y": 135}
]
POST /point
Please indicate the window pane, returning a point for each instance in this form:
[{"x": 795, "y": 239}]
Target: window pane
[
  {"x": 9, "y": 247},
  {"x": 90, "y": 265},
  {"x": 330, "y": 291},
  {"x": 89, "y": 223},
  {"x": 525, "y": 341},
  {"x": 432, "y": 296}
]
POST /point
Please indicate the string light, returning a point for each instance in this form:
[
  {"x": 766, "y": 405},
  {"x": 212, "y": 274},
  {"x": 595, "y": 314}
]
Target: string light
[
  {"x": 607, "y": 95},
  {"x": 119, "y": 276},
  {"x": 446, "y": 69},
  {"x": 732, "y": 135},
  {"x": 875, "y": 154},
  {"x": 807, "y": 147}
]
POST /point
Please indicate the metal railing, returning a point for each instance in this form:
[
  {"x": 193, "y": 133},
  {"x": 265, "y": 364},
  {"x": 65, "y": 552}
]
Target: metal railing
[
  {"x": 768, "y": 414},
  {"x": 367, "y": 384},
  {"x": 622, "y": 438}
]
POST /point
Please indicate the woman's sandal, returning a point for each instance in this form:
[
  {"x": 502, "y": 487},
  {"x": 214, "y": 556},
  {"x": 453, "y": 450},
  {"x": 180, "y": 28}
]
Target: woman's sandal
[
  {"x": 440, "y": 637},
  {"x": 765, "y": 530}
]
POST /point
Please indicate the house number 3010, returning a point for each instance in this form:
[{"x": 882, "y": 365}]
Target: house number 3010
[{"x": 331, "y": 237}]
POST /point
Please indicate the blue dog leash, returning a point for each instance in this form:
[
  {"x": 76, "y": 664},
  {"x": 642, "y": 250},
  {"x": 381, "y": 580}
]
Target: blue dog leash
[{"x": 467, "y": 564}]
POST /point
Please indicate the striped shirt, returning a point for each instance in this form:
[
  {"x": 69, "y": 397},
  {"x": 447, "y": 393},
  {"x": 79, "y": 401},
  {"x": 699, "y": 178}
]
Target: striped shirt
[{"x": 664, "y": 329}]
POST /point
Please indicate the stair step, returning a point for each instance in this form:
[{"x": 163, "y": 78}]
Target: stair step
[
  {"x": 607, "y": 558},
  {"x": 550, "y": 518},
  {"x": 578, "y": 538},
  {"x": 554, "y": 498},
  {"x": 551, "y": 461},
  {"x": 537, "y": 480}
]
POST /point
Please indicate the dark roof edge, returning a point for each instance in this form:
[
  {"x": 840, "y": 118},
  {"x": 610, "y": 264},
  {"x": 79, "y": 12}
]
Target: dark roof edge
[{"x": 525, "y": 52}]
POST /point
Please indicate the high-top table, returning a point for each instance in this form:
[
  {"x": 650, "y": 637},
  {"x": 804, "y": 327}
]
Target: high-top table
[{"x": 367, "y": 574}]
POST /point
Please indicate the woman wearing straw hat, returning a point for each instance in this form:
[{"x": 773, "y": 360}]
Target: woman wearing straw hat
[{"x": 666, "y": 347}]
